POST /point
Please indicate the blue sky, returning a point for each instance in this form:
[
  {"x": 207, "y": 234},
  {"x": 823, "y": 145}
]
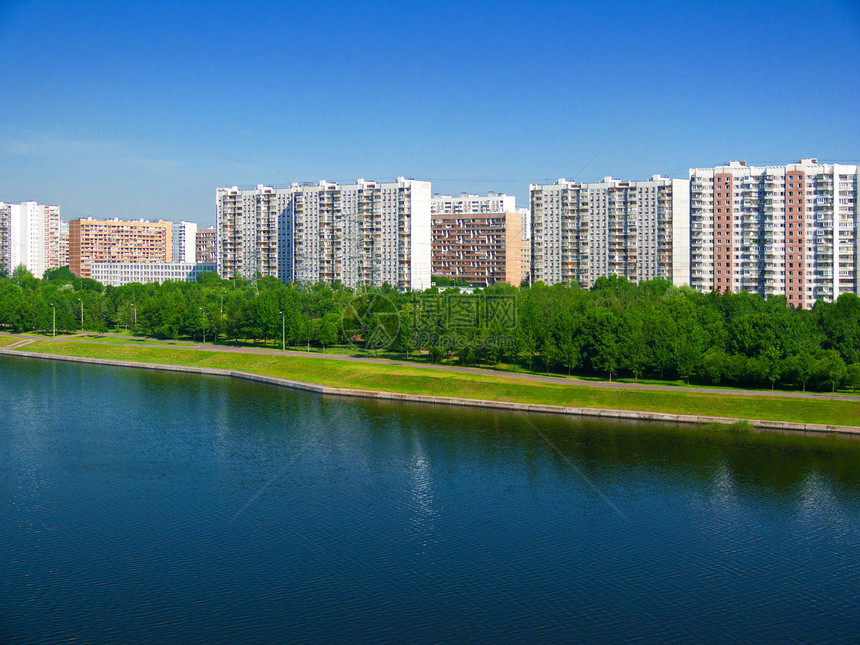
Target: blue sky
[{"x": 143, "y": 109}]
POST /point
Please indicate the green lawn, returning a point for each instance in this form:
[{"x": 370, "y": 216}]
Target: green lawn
[
  {"x": 91, "y": 338},
  {"x": 415, "y": 380},
  {"x": 7, "y": 340}
]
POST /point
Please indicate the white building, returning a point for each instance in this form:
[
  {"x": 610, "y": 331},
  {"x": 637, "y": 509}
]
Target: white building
[
  {"x": 363, "y": 233},
  {"x": 116, "y": 274},
  {"x": 185, "y": 242},
  {"x": 472, "y": 204},
  {"x": 637, "y": 229},
  {"x": 247, "y": 230},
  {"x": 30, "y": 235},
  {"x": 788, "y": 230}
]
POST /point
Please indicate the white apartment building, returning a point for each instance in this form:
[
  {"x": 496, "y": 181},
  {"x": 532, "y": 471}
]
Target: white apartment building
[
  {"x": 185, "y": 242},
  {"x": 789, "y": 230},
  {"x": 5, "y": 238},
  {"x": 637, "y": 229},
  {"x": 30, "y": 235},
  {"x": 363, "y": 233},
  {"x": 472, "y": 204},
  {"x": 247, "y": 230},
  {"x": 116, "y": 274}
]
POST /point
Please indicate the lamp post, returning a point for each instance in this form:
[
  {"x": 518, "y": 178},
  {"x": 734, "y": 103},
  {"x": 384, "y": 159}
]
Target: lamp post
[
  {"x": 82, "y": 314},
  {"x": 54, "y": 321},
  {"x": 134, "y": 309},
  {"x": 283, "y": 333},
  {"x": 203, "y": 325}
]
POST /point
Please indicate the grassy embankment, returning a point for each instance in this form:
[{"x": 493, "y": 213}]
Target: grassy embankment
[
  {"x": 8, "y": 340},
  {"x": 415, "y": 380}
]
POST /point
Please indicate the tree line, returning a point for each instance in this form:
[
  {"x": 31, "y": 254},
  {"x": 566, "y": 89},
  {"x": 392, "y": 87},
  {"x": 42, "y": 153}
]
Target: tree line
[{"x": 615, "y": 329}]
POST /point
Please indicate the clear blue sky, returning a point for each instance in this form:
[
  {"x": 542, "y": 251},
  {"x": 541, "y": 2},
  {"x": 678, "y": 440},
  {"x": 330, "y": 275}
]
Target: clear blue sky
[{"x": 136, "y": 109}]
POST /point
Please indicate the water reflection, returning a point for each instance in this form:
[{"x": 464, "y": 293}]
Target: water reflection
[{"x": 164, "y": 507}]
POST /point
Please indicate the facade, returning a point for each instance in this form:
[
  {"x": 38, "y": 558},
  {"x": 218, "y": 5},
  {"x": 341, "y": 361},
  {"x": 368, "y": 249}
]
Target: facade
[
  {"x": 247, "y": 226},
  {"x": 5, "y": 238},
  {"x": 636, "y": 229},
  {"x": 363, "y": 233},
  {"x": 467, "y": 203},
  {"x": 205, "y": 244},
  {"x": 471, "y": 242},
  {"x": 119, "y": 273},
  {"x": 184, "y": 240},
  {"x": 117, "y": 241},
  {"x": 789, "y": 230},
  {"x": 30, "y": 235},
  {"x": 63, "y": 260}
]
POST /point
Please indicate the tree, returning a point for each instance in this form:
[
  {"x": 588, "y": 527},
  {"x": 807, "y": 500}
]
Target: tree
[
  {"x": 801, "y": 367},
  {"x": 772, "y": 364},
  {"x": 634, "y": 344},
  {"x": 327, "y": 330},
  {"x": 832, "y": 368},
  {"x": 853, "y": 376}
]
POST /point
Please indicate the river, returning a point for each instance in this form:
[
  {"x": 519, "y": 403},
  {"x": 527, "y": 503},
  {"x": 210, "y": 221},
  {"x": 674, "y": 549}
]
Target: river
[{"x": 149, "y": 506}]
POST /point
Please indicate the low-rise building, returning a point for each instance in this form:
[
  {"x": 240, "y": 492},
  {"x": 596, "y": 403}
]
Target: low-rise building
[{"x": 119, "y": 273}]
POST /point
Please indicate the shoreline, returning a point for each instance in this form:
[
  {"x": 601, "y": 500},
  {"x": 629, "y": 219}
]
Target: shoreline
[{"x": 807, "y": 429}]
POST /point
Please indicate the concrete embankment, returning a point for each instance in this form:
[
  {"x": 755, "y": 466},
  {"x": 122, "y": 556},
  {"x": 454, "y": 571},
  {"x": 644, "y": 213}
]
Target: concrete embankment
[{"x": 787, "y": 427}]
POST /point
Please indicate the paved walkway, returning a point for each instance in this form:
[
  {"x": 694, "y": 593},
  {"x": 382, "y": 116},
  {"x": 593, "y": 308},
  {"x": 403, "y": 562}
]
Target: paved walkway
[{"x": 209, "y": 347}]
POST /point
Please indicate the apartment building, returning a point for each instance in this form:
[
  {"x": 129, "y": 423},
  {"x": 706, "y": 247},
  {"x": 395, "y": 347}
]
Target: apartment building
[
  {"x": 63, "y": 255},
  {"x": 205, "y": 245},
  {"x": 5, "y": 238},
  {"x": 119, "y": 273},
  {"x": 475, "y": 243},
  {"x": 363, "y": 233},
  {"x": 471, "y": 204},
  {"x": 247, "y": 225},
  {"x": 789, "y": 230},
  {"x": 636, "y": 229},
  {"x": 30, "y": 235},
  {"x": 184, "y": 240},
  {"x": 116, "y": 240}
]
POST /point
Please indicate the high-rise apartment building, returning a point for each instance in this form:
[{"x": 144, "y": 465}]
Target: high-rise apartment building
[
  {"x": 363, "y": 233},
  {"x": 63, "y": 255},
  {"x": 117, "y": 241},
  {"x": 472, "y": 204},
  {"x": 636, "y": 229},
  {"x": 788, "y": 230},
  {"x": 247, "y": 225},
  {"x": 184, "y": 242},
  {"x": 473, "y": 242},
  {"x": 205, "y": 245},
  {"x": 30, "y": 235},
  {"x": 5, "y": 238}
]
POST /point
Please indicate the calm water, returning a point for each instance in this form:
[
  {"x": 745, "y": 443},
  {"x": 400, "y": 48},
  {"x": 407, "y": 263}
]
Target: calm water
[{"x": 145, "y": 506}]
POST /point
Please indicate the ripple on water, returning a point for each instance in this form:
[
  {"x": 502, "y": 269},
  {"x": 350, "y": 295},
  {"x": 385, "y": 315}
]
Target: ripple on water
[{"x": 168, "y": 507}]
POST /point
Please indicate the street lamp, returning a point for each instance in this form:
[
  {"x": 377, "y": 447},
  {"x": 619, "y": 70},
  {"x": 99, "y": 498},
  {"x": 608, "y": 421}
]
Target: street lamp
[
  {"x": 134, "y": 309},
  {"x": 283, "y": 333},
  {"x": 82, "y": 314},
  {"x": 204, "y": 324},
  {"x": 54, "y": 322}
]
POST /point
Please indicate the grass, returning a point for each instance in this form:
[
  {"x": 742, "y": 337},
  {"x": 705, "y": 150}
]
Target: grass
[
  {"x": 416, "y": 380},
  {"x": 7, "y": 340},
  {"x": 94, "y": 338}
]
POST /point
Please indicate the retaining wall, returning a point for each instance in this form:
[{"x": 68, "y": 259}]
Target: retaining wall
[{"x": 603, "y": 413}]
